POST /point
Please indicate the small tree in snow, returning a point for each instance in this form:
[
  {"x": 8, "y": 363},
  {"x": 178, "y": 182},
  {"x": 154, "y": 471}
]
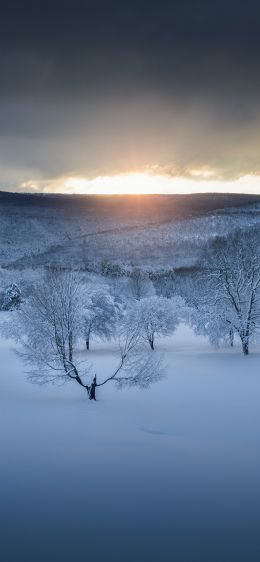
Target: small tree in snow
[
  {"x": 100, "y": 316},
  {"x": 139, "y": 284},
  {"x": 11, "y": 297},
  {"x": 154, "y": 316}
]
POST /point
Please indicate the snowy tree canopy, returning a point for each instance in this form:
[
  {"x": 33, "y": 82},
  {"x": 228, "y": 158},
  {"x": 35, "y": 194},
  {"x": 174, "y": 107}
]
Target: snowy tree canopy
[
  {"x": 47, "y": 325},
  {"x": 225, "y": 297},
  {"x": 154, "y": 316},
  {"x": 101, "y": 312},
  {"x": 11, "y": 297}
]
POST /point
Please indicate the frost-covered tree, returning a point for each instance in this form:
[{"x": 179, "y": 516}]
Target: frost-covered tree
[
  {"x": 48, "y": 327},
  {"x": 207, "y": 320},
  {"x": 11, "y": 297},
  {"x": 225, "y": 297},
  {"x": 154, "y": 316},
  {"x": 101, "y": 313},
  {"x": 139, "y": 284},
  {"x": 164, "y": 282}
]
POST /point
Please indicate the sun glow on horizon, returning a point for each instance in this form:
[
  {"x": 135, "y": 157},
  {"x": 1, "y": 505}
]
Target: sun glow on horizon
[
  {"x": 146, "y": 183},
  {"x": 131, "y": 183},
  {"x": 138, "y": 183}
]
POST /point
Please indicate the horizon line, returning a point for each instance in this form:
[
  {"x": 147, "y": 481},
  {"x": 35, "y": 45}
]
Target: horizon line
[{"x": 132, "y": 195}]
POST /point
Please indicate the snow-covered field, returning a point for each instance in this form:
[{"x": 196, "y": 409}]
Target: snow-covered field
[{"x": 167, "y": 474}]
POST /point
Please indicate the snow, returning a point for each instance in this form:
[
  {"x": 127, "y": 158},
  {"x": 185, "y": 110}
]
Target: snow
[
  {"x": 169, "y": 473},
  {"x": 40, "y": 233}
]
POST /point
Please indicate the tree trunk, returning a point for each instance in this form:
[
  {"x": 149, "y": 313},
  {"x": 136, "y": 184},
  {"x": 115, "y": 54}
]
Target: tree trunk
[
  {"x": 245, "y": 347},
  {"x": 70, "y": 347},
  {"x": 231, "y": 337},
  {"x": 87, "y": 343},
  {"x": 151, "y": 342},
  {"x": 92, "y": 390}
]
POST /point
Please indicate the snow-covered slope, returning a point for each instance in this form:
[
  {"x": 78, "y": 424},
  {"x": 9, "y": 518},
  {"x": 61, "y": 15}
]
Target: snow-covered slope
[{"x": 149, "y": 231}]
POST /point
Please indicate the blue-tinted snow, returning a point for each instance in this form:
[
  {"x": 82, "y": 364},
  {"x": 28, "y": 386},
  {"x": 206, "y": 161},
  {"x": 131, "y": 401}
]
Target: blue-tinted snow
[{"x": 168, "y": 474}]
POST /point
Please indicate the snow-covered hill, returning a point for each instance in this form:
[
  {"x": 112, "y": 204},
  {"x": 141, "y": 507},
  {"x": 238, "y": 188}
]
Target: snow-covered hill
[{"x": 149, "y": 231}]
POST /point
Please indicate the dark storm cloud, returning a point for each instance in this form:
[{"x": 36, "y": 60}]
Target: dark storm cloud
[
  {"x": 142, "y": 23},
  {"x": 101, "y": 87}
]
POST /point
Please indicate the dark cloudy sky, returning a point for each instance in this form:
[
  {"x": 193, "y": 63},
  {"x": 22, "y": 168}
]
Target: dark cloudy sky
[{"x": 100, "y": 88}]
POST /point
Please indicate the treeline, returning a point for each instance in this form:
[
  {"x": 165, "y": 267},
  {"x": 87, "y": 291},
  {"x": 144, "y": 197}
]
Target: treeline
[{"x": 219, "y": 297}]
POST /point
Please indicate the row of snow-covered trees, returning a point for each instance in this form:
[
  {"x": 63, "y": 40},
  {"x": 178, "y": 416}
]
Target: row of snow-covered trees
[
  {"x": 221, "y": 297},
  {"x": 221, "y": 300},
  {"x": 64, "y": 311},
  {"x": 103, "y": 315}
]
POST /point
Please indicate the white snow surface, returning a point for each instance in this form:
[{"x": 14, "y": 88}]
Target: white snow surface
[{"x": 165, "y": 474}]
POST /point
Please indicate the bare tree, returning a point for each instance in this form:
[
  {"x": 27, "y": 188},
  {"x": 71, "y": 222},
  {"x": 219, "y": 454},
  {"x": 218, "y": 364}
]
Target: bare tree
[{"x": 48, "y": 327}]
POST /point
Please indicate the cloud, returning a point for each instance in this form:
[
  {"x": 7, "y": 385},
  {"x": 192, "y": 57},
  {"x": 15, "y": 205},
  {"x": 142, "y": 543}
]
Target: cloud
[{"x": 98, "y": 88}]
